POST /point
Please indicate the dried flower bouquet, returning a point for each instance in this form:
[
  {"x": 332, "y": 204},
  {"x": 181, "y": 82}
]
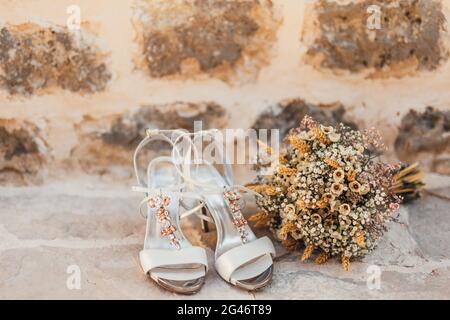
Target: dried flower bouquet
[{"x": 327, "y": 191}]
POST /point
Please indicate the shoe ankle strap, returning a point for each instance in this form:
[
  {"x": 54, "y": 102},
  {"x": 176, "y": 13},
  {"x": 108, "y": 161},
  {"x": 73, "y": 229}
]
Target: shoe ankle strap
[
  {"x": 218, "y": 143},
  {"x": 157, "y": 135}
]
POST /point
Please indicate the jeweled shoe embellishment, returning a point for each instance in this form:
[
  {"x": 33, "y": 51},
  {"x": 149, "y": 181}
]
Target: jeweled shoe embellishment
[
  {"x": 238, "y": 218},
  {"x": 167, "y": 228}
]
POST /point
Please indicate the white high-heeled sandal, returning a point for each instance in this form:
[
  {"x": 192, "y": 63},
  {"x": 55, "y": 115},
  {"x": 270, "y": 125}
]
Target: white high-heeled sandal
[
  {"x": 168, "y": 257},
  {"x": 240, "y": 258}
]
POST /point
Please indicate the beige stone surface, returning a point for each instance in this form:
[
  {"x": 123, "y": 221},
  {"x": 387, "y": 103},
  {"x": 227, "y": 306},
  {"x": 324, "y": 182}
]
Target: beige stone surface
[{"x": 93, "y": 223}]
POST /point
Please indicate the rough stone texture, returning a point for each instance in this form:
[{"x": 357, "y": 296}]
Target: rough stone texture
[
  {"x": 34, "y": 59},
  {"x": 204, "y": 36},
  {"x": 288, "y": 114},
  {"x": 22, "y": 152},
  {"x": 96, "y": 226},
  {"x": 107, "y": 144},
  {"x": 129, "y": 129},
  {"x": 425, "y": 136},
  {"x": 410, "y": 38},
  {"x": 96, "y": 157}
]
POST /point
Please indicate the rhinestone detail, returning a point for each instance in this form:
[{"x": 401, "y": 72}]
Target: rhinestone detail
[
  {"x": 160, "y": 203},
  {"x": 239, "y": 221}
]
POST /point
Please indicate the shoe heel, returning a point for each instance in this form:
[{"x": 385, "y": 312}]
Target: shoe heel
[{"x": 204, "y": 223}]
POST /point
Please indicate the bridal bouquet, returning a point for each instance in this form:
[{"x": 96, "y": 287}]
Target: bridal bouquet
[{"x": 327, "y": 191}]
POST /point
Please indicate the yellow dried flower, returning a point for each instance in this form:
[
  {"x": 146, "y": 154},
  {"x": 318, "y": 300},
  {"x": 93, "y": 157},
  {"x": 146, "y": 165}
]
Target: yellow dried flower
[
  {"x": 261, "y": 224},
  {"x": 322, "y": 258},
  {"x": 287, "y": 228},
  {"x": 300, "y": 204},
  {"x": 322, "y": 204},
  {"x": 351, "y": 175},
  {"x": 282, "y": 159},
  {"x": 320, "y": 135},
  {"x": 257, "y": 216},
  {"x": 408, "y": 182},
  {"x": 299, "y": 144},
  {"x": 270, "y": 191},
  {"x": 307, "y": 252},
  {"x": 259, "y": 188},
  {"x": 261, "y": 219},
  {"x": 345, "y": 263},
  {"x": 285, "y": 171},
  {"x": 360, "y": 239},
  {"x": 332, "y": 163},
  {"x": 263, "y": 188},
  {"x": 290, "y": 244}
]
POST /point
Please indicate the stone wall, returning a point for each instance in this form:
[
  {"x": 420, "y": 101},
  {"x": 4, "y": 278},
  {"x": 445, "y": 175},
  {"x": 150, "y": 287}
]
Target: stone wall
[{"x": 79, "y": 100}]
